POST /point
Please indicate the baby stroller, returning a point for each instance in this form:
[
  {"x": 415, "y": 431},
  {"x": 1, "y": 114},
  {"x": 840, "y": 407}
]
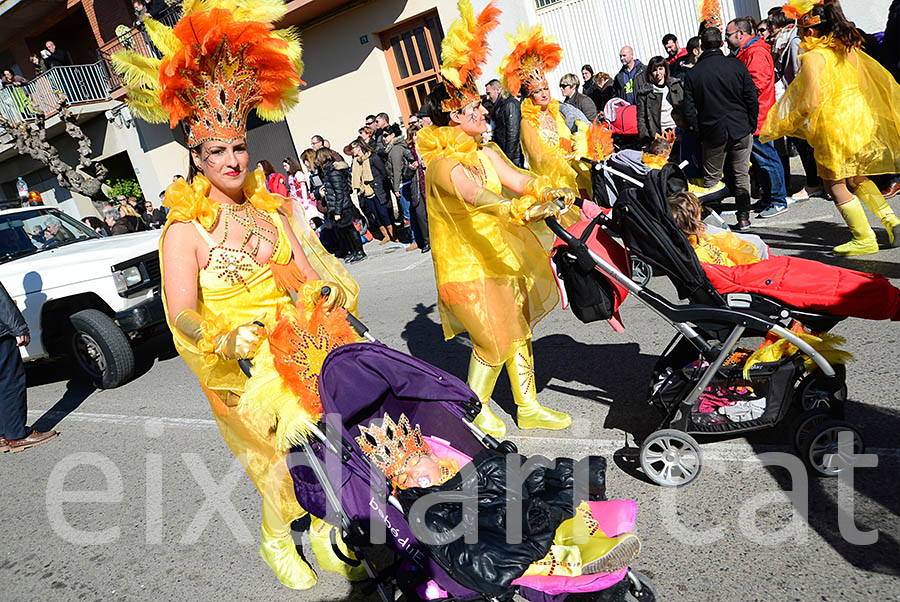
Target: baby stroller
[
  {"x": 699, "y": 366},
  {"x": 335, "y": 480}
]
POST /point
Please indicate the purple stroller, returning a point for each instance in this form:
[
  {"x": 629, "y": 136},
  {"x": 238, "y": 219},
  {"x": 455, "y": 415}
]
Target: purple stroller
[{"x": 361, "y": 382}]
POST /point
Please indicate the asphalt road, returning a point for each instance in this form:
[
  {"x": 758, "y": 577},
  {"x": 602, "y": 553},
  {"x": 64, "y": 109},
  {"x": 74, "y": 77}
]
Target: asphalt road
[{"x": 116, "y": 508}]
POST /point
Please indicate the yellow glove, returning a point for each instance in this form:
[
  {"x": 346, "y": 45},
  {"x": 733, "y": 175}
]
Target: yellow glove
[
  {"x": 566, "y": 195},
  {"x": 311, "y": 293},
  {"x": 241, "y": 342},
  {"x": 541, "y": 211}
]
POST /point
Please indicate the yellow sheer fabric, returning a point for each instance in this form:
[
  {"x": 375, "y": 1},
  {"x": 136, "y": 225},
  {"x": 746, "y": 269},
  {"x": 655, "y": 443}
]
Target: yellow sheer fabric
[
  {"x": 846, "y": 106},
  {"x": 257, "y": 435},
  {"x": 555, "y": 151},
  {"x": 723, "y": 248},
  {"x": 493, "y": 275}
]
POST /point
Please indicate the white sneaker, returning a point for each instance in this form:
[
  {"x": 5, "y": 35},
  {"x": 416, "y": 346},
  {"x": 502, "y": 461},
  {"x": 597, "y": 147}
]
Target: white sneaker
[{"x": 807, "y": 192}]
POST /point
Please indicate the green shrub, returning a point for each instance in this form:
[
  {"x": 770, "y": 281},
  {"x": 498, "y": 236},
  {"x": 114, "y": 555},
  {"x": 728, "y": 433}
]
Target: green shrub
[{"x": 125, "y": 187}]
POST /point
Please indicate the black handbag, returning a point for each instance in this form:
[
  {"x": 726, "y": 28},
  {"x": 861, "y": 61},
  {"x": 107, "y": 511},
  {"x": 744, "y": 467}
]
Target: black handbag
[{"x": 591, "y": 296}]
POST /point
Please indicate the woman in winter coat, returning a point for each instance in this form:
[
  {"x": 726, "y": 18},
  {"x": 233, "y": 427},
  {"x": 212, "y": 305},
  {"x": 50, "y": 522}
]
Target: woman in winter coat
[
  {"x": 659, "y": 101},
  {"x": 370, "y": 180},
  {"x": 341, "y": 211}
]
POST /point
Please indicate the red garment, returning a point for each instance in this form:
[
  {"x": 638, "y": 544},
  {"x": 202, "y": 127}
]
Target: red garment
[
  {"x": 674, "y": 59},
  {"x": 758, "y": 58},
  {"x": 811, "y": 285},
  {"x": 277, "y": 184},
  {"x": 603, "y": 245}
]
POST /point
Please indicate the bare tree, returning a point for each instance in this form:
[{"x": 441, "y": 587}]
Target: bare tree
[{"x": 31, "y": 140}]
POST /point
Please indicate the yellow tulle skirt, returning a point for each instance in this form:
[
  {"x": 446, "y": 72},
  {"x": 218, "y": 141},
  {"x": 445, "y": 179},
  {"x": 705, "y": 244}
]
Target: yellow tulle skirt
[{"x": 847, "y": 106}]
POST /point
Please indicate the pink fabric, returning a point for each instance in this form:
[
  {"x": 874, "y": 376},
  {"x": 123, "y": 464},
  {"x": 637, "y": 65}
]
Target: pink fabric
[{"x": 615, "y": 517}]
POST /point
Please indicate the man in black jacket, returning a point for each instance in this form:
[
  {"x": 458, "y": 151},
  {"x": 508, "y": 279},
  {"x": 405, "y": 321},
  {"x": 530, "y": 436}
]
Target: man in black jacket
[
  {"x": 55, "y": 56},
  {"x": 721, "y": 106},
  {"x": 14, "y": 435},
  {"x": 507, "y": 122}
]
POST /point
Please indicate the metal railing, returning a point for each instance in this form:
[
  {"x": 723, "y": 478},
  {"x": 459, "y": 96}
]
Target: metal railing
[
  {"x": 136, "y": 40},
  {"x": 80, "y": 83}
]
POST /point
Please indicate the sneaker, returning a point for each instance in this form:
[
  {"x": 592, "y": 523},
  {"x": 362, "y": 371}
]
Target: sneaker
[
  {"x": 772, "y": 211},
  {"x": 626, "y": 549},
  {"x": 743, "y": 222},
  {"x": 807, "y": 192}
]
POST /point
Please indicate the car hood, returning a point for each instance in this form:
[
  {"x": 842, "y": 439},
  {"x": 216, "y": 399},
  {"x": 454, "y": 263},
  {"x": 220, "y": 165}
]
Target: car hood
[{"x": 75, "y": 262}]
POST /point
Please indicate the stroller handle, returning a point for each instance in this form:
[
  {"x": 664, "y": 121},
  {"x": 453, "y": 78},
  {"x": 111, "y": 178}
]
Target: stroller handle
[{"x": 360, "y": 328}]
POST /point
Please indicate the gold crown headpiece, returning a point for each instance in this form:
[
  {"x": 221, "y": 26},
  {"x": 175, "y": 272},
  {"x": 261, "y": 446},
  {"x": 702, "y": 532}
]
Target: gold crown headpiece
[
  {"x": 392, "y": 446},
  {"x": 463, "y": 52},
  {"x": 220, "y": 61},
  {"x": 663, "y": 144},
  {"x": 801, "y": 11}
]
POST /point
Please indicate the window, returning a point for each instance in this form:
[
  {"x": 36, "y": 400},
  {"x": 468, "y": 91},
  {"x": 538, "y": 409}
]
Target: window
[{"x": 412, "y": 50}]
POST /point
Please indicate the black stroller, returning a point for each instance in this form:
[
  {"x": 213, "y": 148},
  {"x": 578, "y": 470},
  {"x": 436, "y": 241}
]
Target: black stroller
[{"x": 698, "y": 362}]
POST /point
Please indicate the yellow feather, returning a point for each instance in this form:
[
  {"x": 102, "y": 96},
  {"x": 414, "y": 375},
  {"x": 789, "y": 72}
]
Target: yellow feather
[
  {"x": 137, "y": 70},
  {"x": 456, "y": 43},
  {"x": 162, "y": 37},
  {"x": 294, "y": 50},
  {"x": 145, "y": 105},
  {"x": 267, "y": 11}
]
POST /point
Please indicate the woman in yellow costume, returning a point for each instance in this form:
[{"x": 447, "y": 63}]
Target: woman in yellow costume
[
  {"x": 231, "y": 258},
  {"x": 485, "y": 218},
  {"x": 550, "y": 146},
  {"x": 847, "y": 107}
]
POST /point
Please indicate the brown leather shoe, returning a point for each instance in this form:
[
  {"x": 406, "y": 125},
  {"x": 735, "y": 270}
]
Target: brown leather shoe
[
  {"x": 892, "y": 190},
  {"x": 33, "y": 439},
  {"x": 4, "y": 445}
]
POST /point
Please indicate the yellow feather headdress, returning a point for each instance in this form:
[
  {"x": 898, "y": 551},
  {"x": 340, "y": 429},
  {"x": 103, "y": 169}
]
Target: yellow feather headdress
[
  {"x": 526, "y": 65},
  {"x": 463, "y": 52},
  {"x": 220, "y": 61},
  {"x": 801, "y": 10}
]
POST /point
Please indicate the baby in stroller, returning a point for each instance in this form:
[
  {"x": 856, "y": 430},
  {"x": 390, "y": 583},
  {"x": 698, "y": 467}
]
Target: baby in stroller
[
  {"x": 555, "y": 541},
  {"x": 733, "y": 263}
]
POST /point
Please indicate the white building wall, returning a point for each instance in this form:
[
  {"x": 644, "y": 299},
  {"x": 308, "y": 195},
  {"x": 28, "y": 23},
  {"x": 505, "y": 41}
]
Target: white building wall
[{"x": 593, "y": 31}]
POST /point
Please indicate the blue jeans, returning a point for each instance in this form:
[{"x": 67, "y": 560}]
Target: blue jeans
[
  {"x": 404, "y": 199},
  {"x": 771, "y": 173},
  {"x": 13, "y": 411}
]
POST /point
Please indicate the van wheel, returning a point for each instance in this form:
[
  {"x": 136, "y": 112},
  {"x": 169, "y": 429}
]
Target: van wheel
[{"x": 100, "y": 348}]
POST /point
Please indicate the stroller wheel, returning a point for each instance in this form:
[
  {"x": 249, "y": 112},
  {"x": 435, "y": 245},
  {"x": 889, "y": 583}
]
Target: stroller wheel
[
  {"x": 671, "y": 458},
  {"x": 810, "y": 394},
  {"x": 832, "y": 447},
  {"x": 805, "y": 424},
  {"x": 641, "y": 271},
  {"x": 641, "y": 588}
]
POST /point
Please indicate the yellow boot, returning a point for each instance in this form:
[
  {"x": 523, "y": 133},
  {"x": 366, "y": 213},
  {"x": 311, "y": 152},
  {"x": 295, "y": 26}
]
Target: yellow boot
[
  {"x": 320, "y": 542},
  {"x": 864, "y": 241},
  {"x": 530, "y": 414},
  {"x": 869, "y": 194},
  {"x": 280, "y": 553},
  {"x": 482, "y": 378}
]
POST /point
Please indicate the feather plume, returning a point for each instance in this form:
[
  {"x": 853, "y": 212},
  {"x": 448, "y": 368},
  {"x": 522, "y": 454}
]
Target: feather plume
[
  {"x": 599, "y": 141},
  {"x": 137, "y": 70},
  {"x": 464, "y": 48},
  {"x": 162, "y": 36},
  {"x": 710, "y": 12},
  {"x": 532, "y": 54},
  {"x": 232, "y": 40}
]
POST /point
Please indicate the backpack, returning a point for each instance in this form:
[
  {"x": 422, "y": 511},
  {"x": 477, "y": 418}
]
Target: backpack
[{"x": 591, "y": 296}]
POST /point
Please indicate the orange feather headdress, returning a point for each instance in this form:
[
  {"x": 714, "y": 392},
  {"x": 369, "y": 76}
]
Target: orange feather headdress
[
  {"x": 531, "y": 57},
  {"x": 710, "y": 12},
  {"x": 220, "y": 61},
  {"x": 801, "y": 11},
  {"x": 463, "y": 52}
]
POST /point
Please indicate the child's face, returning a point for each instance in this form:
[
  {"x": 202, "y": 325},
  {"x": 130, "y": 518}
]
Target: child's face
[{"x": 425, "y": 472}]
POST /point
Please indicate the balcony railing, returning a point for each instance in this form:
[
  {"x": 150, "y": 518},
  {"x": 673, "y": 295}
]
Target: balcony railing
[
  {"x": 80, "y": 83},
  {"x": 136, "y": 40}
]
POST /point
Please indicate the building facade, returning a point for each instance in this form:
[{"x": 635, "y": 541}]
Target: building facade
[{"x": 362, "y": 57}]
